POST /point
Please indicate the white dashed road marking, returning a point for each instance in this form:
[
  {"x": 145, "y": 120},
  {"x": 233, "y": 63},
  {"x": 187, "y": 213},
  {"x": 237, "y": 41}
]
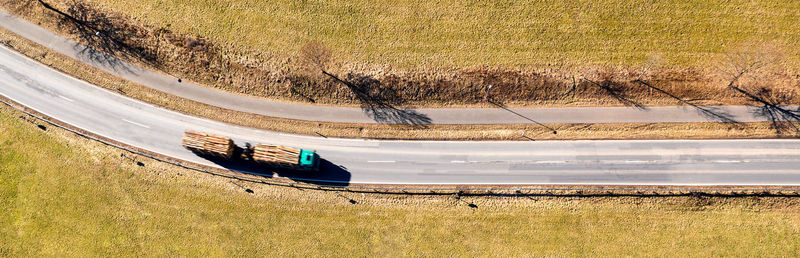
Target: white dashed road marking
[
  {"x": 551, "y": 162},
  {"x": 727, "y": 161},
  {"x": 135, "y": 123},
  {"x": 65, "y": 98}
]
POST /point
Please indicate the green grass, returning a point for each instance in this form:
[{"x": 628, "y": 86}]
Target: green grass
[
  {"x": 65, "y": 196},
  {"x": 473, "y": 33}
]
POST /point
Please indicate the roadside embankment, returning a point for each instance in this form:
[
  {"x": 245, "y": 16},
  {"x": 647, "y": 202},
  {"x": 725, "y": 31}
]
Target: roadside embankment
[{"x": 601, "y": 68}]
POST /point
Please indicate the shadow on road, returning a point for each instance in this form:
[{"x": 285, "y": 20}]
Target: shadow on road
[
  {"x": 502, "y": 106},
  {"x": 774, "y": 106},
  {"x": 104, "y": 35},
  {"x": 380, "y": 103},
  {"x": 770, "y": 101},
  {"x": 714, "y": 113}
]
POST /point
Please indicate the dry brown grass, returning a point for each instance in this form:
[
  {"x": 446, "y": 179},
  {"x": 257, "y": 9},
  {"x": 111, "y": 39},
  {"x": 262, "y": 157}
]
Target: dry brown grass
[
  {"x": 431, "y": 132},
  {"x": 228, "y": 66}
]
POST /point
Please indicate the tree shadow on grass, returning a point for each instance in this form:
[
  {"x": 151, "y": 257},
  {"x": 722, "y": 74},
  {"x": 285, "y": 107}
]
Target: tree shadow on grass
[
  {"x": 105, "y": 36},
  {"x": 617, "y": 91},
  {"x": 773, "y": 105},
  {"x": 380, "y": 103}
]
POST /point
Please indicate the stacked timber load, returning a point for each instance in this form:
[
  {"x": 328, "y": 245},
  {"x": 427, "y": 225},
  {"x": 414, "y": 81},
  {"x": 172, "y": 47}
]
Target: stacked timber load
[
  {"x": 208, "y": 144},
  {"x": 276, "y": 155}
]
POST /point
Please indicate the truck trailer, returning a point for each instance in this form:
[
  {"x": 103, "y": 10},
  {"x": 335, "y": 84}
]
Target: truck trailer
[
  {"x": 276, "y": 156},
  {"x": 208, "y": 144},
  {"x": 285, "y": 157}
]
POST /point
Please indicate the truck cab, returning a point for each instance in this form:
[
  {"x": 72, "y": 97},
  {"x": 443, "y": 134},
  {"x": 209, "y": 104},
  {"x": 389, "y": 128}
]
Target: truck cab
[{"x": 309, "y": 160}]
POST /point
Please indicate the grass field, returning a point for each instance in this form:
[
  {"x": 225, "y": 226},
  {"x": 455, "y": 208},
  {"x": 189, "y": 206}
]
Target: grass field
[
  {"x": 66, "y": 196},
  {"x": 580, "y": 53},
  {"x": 474, "y": 33}
]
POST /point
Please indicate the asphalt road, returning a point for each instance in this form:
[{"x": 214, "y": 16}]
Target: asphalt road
[
  {"x": 189, "y": 90},
  {"x": 679, "y": 162}
]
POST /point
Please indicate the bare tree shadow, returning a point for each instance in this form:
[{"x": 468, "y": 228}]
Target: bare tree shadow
[
  {"x": 773, "y": 105},
  {"x": 715, "y": 113},
  {"x": 617, "y": 91},
  {"x": 105, "y": 36},
  {"x": 302, "y": 95},
  {"x": 380, "y": 103},
  {"x": 104, "y": 59},
  {"x": 502, "y": 106}
]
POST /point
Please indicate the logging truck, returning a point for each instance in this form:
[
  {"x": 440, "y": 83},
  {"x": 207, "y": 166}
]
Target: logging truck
[{"x": 264, "y": 154}]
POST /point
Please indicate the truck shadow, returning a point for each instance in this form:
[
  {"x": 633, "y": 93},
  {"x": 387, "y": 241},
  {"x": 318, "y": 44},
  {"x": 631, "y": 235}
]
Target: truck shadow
[{"x": 329, "y": 174}]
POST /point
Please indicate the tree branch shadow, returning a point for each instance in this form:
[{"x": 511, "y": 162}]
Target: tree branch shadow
[
  {"x": 617, "y": 91},
  {"x": 380, "y": 103},
  {"x": 104, "y": 36},
  {"x": 772, "y": 105},
  {"x": 715, "y": 113},
  {"x": 502, "y": 106},
  {"x": 302, "y": 95}
]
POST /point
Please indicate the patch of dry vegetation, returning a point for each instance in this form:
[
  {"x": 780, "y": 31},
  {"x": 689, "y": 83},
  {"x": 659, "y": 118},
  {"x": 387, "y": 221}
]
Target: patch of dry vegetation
[
  {"x": 615, "y": 86},
  {"x": 591, "y": 55},
  {"x": 377, "y": 131},
  {"x": 61, "y": 195}
]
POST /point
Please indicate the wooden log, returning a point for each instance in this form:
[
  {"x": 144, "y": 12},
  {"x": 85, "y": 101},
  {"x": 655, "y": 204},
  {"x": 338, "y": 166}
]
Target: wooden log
[
  {"x": 208, "y": 144},
  {"x": 276, "y": 155}
]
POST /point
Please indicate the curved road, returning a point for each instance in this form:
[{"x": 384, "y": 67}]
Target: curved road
[
  {"x": 706, "y": 162},
  {"x": 308, "y": 112}
]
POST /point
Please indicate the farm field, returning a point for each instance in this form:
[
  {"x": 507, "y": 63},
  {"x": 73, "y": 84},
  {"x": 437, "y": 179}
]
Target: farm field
[
  {"x": 450, "y": 33},
  {"x": 63, "y": 195},
  {"x": 446, "y": 53}
]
